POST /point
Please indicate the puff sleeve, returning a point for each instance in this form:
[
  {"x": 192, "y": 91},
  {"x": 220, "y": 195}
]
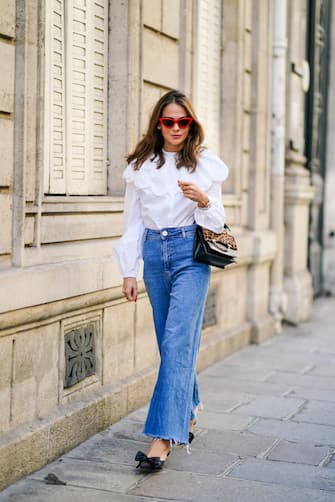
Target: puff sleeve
[
  {"x": 128, "y": 249},
  {"x": 215, "y": 171}
]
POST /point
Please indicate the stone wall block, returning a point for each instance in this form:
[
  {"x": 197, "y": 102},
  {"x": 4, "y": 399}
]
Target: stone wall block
[
  {"x": 171, "y": 17},
  {"x": 247, "y": 50},
  {"x": 259, "y": 292},
  {"x": 231, "y": 298},
  {"x": 47, "y": 398},
  {"x": 146, "y": 352},
  {"x": 71, "y": 430},
  {"x": 161, "y": 71},
  {"x": 118, "y": 342},
  {"x": 24, "y": 401},
  {"x": 152, "y": 13},
  {"x": 6, "y": 152},
  {"x": 7, "y": 66},
  {"x": 150, "y": 96},
  {"x": 5, "y": 380},
  {"x": 5, "y": 222},
  {"x": 35, "y": 376},
  {"x": 7, "y": 18},
  {"x": 23, "y": 455},
  {"x": 5, "y": 409},
  {"x": 70, "y": 227},
  {"x": 116, "y": 406},
  {"x": 29, "y": 230},
  {"x": 140, "y": 391}
]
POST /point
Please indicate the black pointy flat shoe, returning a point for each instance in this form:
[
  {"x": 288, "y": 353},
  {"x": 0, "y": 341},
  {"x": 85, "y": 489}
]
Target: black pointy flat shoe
[
  {"x": 148, "y": 464},
  {"x": 190, "y": 437}
]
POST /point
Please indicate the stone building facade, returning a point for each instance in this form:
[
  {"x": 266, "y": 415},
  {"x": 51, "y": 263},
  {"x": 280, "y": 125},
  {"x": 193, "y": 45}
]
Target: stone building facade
[{"x": 78, "y": 81}]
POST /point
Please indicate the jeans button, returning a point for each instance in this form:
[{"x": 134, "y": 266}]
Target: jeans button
[{"x": 164, "y": 233}]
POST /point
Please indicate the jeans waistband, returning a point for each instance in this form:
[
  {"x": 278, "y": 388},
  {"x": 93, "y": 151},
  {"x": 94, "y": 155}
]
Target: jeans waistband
[{"x": 170, "y": 232}]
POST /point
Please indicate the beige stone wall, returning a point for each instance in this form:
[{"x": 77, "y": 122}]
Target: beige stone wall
[{"x": 7, "y": 91}]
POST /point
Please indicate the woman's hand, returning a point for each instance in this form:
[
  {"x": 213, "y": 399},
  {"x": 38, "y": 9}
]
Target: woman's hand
[
  {"x": 129, "y": 288},
  {"x": 194, "y": 193}
]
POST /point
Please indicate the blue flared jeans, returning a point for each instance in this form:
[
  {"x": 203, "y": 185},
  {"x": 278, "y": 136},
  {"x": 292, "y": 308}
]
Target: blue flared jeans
[{"x": 177, "y": 287}]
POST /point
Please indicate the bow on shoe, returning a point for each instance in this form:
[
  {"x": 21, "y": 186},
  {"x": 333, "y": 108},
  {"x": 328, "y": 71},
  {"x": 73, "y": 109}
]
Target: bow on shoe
[{"x": 148, "y": 463}]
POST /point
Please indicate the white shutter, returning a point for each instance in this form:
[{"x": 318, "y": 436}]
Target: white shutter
[
  {"x": 55, "y": 127},
  {"x": 98, "y": 173},
  {"x": 77, "y": 93},
  {"x": 85, "y": 32},
  {"x": 209, "y": 70}
]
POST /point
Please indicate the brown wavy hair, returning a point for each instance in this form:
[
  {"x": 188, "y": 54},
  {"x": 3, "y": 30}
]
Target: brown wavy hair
[{"x": 152, "y": 143}]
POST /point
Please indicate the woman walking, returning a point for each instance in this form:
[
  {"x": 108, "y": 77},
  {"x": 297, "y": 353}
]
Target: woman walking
[{"x": 172, "y": 184}]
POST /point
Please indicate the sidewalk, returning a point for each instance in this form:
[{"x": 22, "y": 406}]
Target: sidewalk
[{"x": 267, "y": 434}]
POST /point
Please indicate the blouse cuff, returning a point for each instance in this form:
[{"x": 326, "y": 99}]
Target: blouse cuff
[
  {"x": 128, "y": 260},
  {"x": 211, "y": 217}
]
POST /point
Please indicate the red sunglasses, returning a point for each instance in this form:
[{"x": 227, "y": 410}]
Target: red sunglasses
[{"x": 169, "y": 122}]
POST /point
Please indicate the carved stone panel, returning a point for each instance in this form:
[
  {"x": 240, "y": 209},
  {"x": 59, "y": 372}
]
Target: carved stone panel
[{"x": 80, "y": 355}]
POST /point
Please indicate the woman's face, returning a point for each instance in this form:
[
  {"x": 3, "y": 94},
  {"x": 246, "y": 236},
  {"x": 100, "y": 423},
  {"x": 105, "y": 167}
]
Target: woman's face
[{"x": 174, "y": 137}]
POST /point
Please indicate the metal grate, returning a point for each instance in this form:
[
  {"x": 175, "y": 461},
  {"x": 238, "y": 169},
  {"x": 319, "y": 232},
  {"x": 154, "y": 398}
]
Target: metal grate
[
  {"x": 80, "y": 356},
  {"x": 210, "y": 309}
]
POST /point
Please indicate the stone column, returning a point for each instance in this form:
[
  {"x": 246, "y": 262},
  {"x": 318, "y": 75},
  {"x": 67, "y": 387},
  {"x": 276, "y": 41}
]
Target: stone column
[
  {"x": 298, "y": 189},
  {"x": 328, "y": 265},
  {"x": 258, "y": 216},
  {"x": 279, "y": 46},
  {"x": 297, "y": 279}
]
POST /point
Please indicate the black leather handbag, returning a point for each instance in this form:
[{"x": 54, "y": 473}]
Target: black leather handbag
[{"x": 218, "y": 250}]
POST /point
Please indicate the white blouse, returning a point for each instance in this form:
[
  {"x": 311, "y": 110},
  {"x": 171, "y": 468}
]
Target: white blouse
[{"x": 154, "y": 200}]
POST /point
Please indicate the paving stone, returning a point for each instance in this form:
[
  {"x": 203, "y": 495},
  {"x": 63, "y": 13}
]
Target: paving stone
[
  {"x": 258, "y": 374},
  {"x": 285, "y": 473},
  {"x": 327, "y": 368},
  {"x": 219, "y": 398},
  {"x": 126, "y": 429},
  {"x": 317, "y": 413},
  {"x": 98, "y": 475},
  {"x": 301, "y": 453},
  {"x": 272, "y": 407},
  {"x": 310, "y": 381},
  {"x": 223, "y": 421},
  {"x": 236, "y": 443},
  {"x": 295, "y": 338},
  {"x": 331, "y": 463},
  {"x": 315, "y": 394},
  {"x": 185, "y": 486},
  {"x": 106, "y": 449},
  {"x": 268, "y": 358},
  {"x": 200, "y": 460},
  {"x": 249, "y": 387},
  {"x": 294, "y": 431},
  {"x": 34, "y": 491}
]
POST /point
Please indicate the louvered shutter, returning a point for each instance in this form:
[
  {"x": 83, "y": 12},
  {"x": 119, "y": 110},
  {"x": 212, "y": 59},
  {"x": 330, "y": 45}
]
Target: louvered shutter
[
  {"x": 55, "y": 127},
  {"x": 209, "y": 70},
  {"x": 85, "y": 31},
  {"x": 98, "y": 173}
]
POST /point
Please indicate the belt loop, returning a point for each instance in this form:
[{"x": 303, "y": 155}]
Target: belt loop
[
  {"x": 146, "y": 231},
  {"x": 184, "y": 233}
]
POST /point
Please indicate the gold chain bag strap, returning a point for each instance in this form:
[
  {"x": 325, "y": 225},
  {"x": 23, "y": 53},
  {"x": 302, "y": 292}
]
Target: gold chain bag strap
[{"x": 218, "y": 250}]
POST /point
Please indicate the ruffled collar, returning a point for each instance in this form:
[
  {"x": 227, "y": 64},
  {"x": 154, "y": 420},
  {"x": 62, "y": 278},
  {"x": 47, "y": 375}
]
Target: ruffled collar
[{"x": 164, "y": 180}]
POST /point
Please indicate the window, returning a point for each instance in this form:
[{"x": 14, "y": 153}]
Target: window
[{"x": 76, "y": 97}]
